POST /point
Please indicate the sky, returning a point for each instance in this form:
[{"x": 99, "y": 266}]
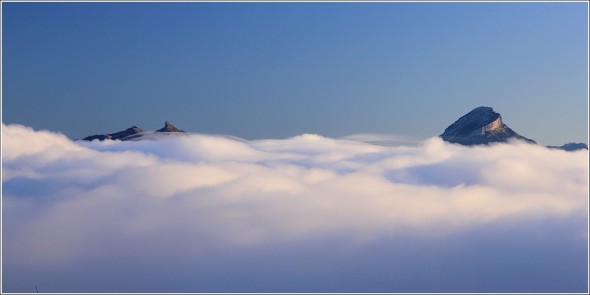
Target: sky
[
  {"x": 276, "y": 70},
  {"x": 211, "y": 213}
]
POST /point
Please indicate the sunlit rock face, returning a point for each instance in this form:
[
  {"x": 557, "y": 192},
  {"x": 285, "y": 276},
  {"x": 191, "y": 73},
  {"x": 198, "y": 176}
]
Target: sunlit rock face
[
  {"x": 481, "y": 126},
  {"x": 493, "y": 126}
]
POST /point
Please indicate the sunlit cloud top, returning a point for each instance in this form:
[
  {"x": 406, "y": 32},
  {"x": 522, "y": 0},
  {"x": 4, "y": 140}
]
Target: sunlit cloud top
[{"x": 79, "y": 196}]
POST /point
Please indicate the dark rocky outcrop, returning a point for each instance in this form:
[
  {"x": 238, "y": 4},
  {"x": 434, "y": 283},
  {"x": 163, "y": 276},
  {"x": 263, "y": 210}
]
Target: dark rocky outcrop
[
  {"x": 136, "y": 133},
  {"x": 572, "y": 146},
  {"x": 168, "y": 127},
  {"x": 126, "y": 134},
  {"x": 481, "y": 126},
  {"x": 100, "y": 137}
]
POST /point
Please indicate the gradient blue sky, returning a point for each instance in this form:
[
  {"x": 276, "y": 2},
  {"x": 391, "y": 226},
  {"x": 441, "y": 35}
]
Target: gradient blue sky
[{"x": 274, "y": 70}]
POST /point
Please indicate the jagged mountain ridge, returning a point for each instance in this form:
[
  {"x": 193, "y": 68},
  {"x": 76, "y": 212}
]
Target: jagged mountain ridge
[
  {"x": 134, "y": 133},
  {"x": 121, "y": 135},
  {"x": 481, "y": 126}
]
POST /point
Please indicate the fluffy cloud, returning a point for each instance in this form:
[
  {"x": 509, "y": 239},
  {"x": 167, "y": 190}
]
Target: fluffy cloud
[
  {"x": 382, "y": 139},
  {"x": 119, "y": 216}
]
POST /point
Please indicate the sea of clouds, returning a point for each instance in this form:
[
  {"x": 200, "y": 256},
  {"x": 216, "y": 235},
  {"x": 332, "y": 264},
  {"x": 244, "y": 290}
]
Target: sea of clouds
[{"x": 207, "y": 213}]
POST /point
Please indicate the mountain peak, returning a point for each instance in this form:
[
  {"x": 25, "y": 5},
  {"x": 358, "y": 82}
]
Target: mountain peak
[
  {"x": 482, "y": 125},
  {"x": 168, "y": 127},
  {"x": 121, "y": 135},
  {"x": 134, "y": 133}
]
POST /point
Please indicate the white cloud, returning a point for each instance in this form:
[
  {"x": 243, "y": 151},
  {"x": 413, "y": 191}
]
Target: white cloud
[
  {"x": 189, "y": 196},
  {"x": 382, "y": 139}
]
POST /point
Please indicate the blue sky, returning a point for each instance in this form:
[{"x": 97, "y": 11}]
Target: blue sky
[{"x": 274, "y": 70}]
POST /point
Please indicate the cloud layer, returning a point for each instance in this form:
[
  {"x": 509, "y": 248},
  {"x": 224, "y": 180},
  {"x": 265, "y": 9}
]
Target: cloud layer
[{"x": 204, "y": 213}]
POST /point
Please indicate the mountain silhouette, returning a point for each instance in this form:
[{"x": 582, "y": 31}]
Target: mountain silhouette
[
  {"x": 121, "y": 135},
  {"x": 481, "y": 126},
  {"x": 570, "y": 147},
  {"x": 135, "y": 133},
  {"x": 168, "y": 127}
]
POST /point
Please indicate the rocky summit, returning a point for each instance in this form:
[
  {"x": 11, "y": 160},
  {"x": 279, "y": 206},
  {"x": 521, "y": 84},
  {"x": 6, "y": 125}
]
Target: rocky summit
[
  {"x": 168, "y": 127},
  {"x": 481, "y": 126}
]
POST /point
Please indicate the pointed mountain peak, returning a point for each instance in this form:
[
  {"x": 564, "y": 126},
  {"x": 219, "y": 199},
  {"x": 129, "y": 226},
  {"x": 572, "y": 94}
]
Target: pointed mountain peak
[
  {"x": 482, "y": 125},
  {"x": 479, "y": 117},
  {"x": 168, "y": 127}
]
